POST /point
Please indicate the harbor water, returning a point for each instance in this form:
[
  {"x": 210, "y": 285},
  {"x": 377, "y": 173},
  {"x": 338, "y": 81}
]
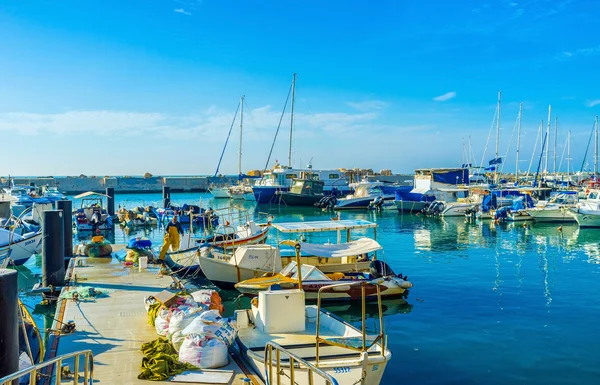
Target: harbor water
[{"x": 491, "y": 304}]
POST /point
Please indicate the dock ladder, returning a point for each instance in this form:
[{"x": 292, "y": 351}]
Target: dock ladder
[
  {"x": 59, "y": 378},
  {"x": 295, "y": 363}
]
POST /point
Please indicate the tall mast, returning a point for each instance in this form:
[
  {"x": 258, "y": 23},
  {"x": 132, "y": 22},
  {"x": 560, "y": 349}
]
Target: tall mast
[
  {"x": 292, "y": 120},
  {"x": 518, "y": 142},
  {"x": 546, "y": 147},
  {"x": 596, "y": 149},
  {"x": 241, "y": 125},
  {"x": 555, "y": 140},
  {"x": 569, "y": 156},
  {"x": 497, "y": 138}
]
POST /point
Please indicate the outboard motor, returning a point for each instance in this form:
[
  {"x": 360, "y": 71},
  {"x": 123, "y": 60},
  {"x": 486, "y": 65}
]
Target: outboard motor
[{"x": 380, "y": 269}]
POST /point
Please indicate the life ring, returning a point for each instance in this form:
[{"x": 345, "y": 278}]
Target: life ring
[{"x": 254, "y": 301}]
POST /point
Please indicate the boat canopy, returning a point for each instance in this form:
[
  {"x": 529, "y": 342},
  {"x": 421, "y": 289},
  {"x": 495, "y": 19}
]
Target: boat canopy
[
  {"x": 317, "y": 226},
  {"x": 90, "y": 193},
  {"x": 337, "y": 250}
]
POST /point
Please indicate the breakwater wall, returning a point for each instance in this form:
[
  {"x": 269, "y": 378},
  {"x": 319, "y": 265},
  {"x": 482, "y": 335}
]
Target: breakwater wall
[{"x": 127, "y": 184}]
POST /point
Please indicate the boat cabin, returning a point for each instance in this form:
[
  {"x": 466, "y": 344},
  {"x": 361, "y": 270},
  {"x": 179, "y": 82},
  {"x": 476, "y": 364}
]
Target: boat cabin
[{"x": 307, "y": 187}]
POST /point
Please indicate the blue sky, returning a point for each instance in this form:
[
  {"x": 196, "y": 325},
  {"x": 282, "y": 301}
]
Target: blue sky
[{"x": 124, "y": 87}]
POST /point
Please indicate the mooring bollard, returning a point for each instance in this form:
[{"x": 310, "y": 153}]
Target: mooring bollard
[
  {"x": 9, "y": 335},
  {"x": 67, "y": 209},
  {"x": 53, "y": 249},
  {"x": 166, "y": 196},
  {"x": 110, "y": 201}
]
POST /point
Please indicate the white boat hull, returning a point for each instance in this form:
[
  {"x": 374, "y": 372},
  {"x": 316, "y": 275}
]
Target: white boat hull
[
  {"x": 551, "y": 215},
  {"x": 220, "y": 193},
  {"x": 586, "y": 218},
  {"x": 456, "y": 210},
  {"x": 224, "y": 274},
  {"x": 410, "y": 206},
  {"x": 19, "y": 252}
]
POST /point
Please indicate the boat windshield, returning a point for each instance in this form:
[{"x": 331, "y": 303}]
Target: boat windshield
[{"x": 564, "y": 198}]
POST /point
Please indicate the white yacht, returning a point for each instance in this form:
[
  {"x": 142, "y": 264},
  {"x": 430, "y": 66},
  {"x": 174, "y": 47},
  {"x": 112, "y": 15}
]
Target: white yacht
[
  {"x": 587, "y": 212},
  {"x": 555, "y": 209}
]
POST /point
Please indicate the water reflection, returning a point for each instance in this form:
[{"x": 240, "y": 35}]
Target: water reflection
[{"x": 352, "y": 311}]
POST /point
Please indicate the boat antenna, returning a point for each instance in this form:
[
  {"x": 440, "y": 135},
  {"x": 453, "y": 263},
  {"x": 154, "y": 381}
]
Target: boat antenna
[
  {"x": 278, "y": 127},
  {"x": 227, "y": 140}
]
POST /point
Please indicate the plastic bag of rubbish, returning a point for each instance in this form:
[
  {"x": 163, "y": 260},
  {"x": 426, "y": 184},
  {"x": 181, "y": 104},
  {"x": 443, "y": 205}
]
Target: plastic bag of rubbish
[
  {"x": 180, "y": 318},
  {"x": 161, "y": 323},
  {"x": 209, "y": 298},
  {"x": 211, "y": 324},
  {"x": 177, "y": 339},
  {"x": 203, "y": 352}
]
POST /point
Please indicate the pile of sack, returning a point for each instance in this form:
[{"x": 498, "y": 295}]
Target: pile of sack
[
  {"x": 195, "y": 327},
  {"x": 138, "y": 247}
]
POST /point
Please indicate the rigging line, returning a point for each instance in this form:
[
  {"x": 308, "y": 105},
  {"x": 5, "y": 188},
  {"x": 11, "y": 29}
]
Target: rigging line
[
  {"x": 278, "y": 127},
  {"x": 563, "y": 155},
  {"x": 509, "y": 144},
  {"x": 537, "y": 137},
  {"x": 588, "y": 147},
  {"x": 227, "y": 140},
  {"x": 488, "y": 138}
]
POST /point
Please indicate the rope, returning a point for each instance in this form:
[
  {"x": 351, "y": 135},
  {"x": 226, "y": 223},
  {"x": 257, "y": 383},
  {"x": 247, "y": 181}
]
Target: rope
[{"x": 278, "y": 127}]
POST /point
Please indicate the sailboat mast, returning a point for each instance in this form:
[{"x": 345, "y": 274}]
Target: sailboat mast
[
  {"x": 518, "y": 142},
  {"x": 292, "y": 120},
  {"x": 569, "y": 156},
  {"x": 555, "y": 141},
  {"x": 241, "y": 128},
  {"x": 497, "y": 137},
  {"x": 596, "y": 149},
  {"x": 546, "y": 147}
]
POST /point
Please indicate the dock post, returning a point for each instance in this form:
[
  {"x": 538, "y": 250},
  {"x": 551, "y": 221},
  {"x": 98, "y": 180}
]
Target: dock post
[
  {"x": 110, "y": 201},
  {"x": 67, "y": 208},
  {"x": 166, "y": 196},
  {"x": 53, "y": 249},
  {"x": 9, "y": 335}
]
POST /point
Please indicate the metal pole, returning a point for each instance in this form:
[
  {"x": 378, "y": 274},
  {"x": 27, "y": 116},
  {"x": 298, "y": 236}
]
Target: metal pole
[
  {"x": 241, "y": 125},
  {"x": 292, "y": 120},
  {"x": 497, "y": 138},
  {"x": 547, "y": 146},
  {"x": 596, "y": 149},
  {"x": 166, "y": 194},
  {"x": 518, "y": 142},
  {"x": 110, "y": 201},
  {"x": 569, "y": 157},
  {"x": 9, "y": 332},
  {"x": 67, "y": 208},
  {"x": 53, "y": 249},
  {"x": 555, "y": 140}
]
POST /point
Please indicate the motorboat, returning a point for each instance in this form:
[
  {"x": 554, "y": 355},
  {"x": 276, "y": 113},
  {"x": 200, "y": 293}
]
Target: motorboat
[
  {"x": 312, "y": 279},
  {"x": 365, "y": 192},
  {"x": 92, "y": 216},
  {"x": 219, "y": 192},
  {"x": 19, "y": 247},
  {"x": 556, "y": 208},
  {"x": 187, "y": 214},
  {"x": 304, "y": 192},
  {"x": 587, "y": 212},
  {"x": 241, "y": 192},
  {"x": 282, "y": 338},
  {"x": 225, "y": 269}
]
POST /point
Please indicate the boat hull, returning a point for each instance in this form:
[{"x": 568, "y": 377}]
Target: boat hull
[
  {"x": 19, "y": 252},
  {"x": 292, "y": 199},
  {"x": 220, "y": 193},
  {"x": 225, "y": 275},
  {"x": 267, "y": 194},
  {"x": 357, "y": 203},
  {"x": 586, "y": 218},
  {"x": 551, "y": 215},
  {"x": 458, "y": 210},
  {"x": 410, "y": 206}
]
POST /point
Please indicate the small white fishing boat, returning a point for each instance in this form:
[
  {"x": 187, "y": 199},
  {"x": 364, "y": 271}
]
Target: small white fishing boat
[
  {"x": 365, "y": 192},
  {"x": 92, "y": 216},
  {"x": 19, "y": 247},
  {"x": 312, "y": 346}
]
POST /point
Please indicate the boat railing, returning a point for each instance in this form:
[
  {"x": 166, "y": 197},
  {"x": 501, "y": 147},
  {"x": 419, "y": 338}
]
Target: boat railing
[
  {"x": 60, "y": 375},
  {"x": 295, "y": 363},
  {"x": 365, "y": 342}
]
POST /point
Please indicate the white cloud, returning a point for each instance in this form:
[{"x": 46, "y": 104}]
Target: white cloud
[
  {"x": 446, "y": 96},
  {"x": 368, "y": 105},
  {"x": 211, "y": 124},
  {"x": 592, "y": 103},
  {"x": 588, "y": 51},
  {"x": 181, "y": 10}
]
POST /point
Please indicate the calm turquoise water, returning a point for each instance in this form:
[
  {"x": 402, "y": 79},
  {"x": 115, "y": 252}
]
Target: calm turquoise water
[{"x": 491, "y": 304}]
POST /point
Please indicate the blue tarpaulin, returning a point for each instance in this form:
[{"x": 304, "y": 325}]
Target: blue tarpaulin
[
  {"x": 457, "y": 176},
  {"x": 407, "y": 196}
]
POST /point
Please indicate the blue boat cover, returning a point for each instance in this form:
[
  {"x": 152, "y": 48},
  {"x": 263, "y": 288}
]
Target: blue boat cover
[
  {"x": 139, "y": 243},
  {"x": 407, "y": 196},
  {"x": 459, "y": 176}
]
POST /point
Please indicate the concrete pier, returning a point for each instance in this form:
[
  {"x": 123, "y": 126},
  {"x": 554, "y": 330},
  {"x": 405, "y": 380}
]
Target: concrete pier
[{"x": 115, "y": 327}]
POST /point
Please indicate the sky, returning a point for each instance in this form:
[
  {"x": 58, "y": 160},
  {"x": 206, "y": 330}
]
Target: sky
[{"x": 127, "y": 87}]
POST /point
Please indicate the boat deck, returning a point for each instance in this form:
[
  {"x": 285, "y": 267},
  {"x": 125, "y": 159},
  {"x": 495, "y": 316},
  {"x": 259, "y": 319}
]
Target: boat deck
[{"x": 115, "y": 327}]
